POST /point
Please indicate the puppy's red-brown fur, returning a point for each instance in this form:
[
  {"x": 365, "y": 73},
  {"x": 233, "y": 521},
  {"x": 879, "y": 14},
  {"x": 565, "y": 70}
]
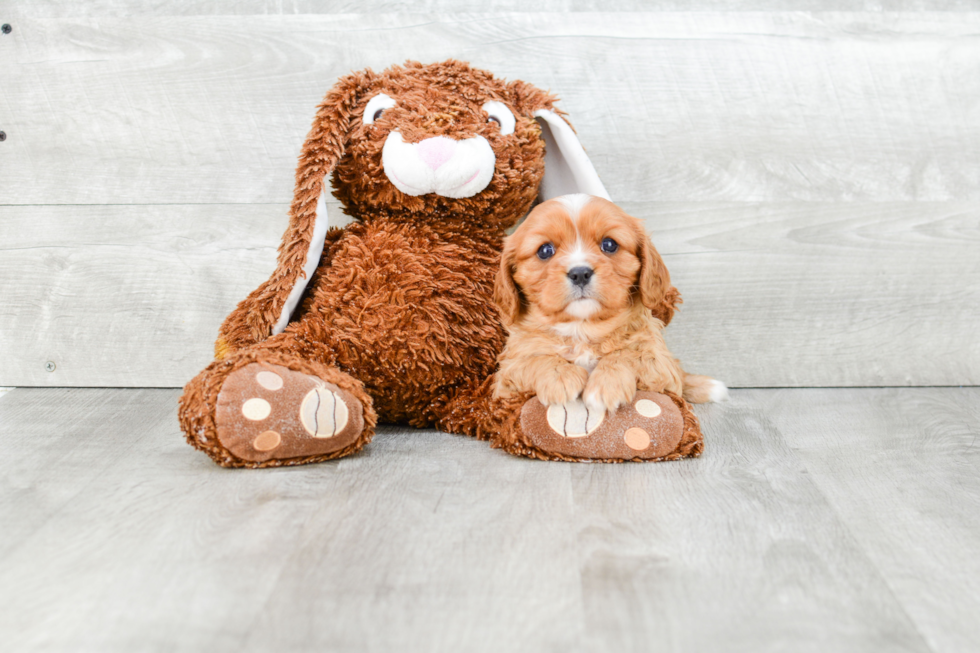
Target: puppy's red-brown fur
[{"x": 599, "y": 338}]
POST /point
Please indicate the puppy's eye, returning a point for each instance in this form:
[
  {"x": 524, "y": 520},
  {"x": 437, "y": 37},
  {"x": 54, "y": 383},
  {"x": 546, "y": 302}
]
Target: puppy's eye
[
  {"x": 546, "y": 251},
  {"x": 609, "y": 246},
  {"x": 499, "y": 113},
  {"x": 376, "y": 107}
]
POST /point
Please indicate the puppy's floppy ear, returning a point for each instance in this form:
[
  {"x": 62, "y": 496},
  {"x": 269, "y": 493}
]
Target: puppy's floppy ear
[
  {"x": 506, "y": 295},
  {"x": 270, "y": 306},
  {"x": 670, "y": 304},
  {"x": 653, "y": 284}
]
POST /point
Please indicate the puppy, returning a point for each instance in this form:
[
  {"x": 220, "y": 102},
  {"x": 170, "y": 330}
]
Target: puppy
[{"x": 578, "y": 288}]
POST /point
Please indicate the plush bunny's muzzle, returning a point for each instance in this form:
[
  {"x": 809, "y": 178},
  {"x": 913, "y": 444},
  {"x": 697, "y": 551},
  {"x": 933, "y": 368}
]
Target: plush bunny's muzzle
[{"x": 440, "y": 165}]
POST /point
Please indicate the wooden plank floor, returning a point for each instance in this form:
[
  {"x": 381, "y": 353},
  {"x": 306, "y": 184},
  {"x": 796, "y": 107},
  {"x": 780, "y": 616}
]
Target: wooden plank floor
[{"x": 817, "y": 520}]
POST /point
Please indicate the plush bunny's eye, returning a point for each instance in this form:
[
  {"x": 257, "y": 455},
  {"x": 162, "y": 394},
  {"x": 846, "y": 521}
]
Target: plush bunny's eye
[
  {"x": 609, "y": 246},
  {"x": 497, "y": 112},
  {"x": 376, "y": 107},
  {"x": 546, "y": 251}
]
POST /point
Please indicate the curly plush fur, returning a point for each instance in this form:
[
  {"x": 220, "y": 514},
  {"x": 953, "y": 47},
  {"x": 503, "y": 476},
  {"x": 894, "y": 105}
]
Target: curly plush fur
[{"x": 400, "y": 310}]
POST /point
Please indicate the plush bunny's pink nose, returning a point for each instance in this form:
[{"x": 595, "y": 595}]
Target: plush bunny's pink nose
[{"x": 436, "y": 151}]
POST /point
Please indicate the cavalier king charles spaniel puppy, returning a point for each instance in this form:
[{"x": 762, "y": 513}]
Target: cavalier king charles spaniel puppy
[{"x": 580, "y": 290}]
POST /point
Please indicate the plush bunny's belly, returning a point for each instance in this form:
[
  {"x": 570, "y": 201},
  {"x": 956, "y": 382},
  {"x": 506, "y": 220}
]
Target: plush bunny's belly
[{"x": 409, "y": 313}]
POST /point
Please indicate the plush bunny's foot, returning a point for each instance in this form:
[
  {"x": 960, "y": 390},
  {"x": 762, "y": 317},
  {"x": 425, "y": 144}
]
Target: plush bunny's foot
[
  {"x": 269, "y": 412},
  {"x": 654, "y": 427}
]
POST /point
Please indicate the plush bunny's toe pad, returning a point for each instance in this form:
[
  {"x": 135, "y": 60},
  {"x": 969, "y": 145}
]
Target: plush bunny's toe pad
[
  {"x": 652, "y": 427},
  {"x": 268, "y": 412}
]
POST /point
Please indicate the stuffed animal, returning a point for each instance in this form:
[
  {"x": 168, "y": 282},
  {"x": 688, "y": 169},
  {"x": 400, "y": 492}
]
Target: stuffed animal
[{"x": 392, "y": 318}]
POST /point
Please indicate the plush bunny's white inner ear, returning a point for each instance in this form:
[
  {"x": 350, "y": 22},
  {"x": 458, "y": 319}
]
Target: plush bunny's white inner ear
[
  {"x": 567, "y": 168},
  {"x": 320, "y": 225}
]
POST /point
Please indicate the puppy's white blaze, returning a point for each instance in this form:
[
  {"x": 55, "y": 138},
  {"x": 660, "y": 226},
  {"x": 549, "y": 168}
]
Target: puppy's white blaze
[
  {"x": 577, "y": 257},
  {"x": 574, "y": 204},
  {"x": 583, "y": 309},
  {"x": 467, "y": 172},
  {"x": 718, "y": 391}
]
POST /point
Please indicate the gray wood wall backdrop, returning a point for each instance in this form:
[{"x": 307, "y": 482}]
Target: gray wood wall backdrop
[{"x": 811, "y": 175}]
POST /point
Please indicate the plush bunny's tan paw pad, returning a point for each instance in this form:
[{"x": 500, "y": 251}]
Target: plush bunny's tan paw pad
[
  {"x": 268, "y": 412},
  {"x": 650, "y": 428},
  {"x": 574, "y": 419}
]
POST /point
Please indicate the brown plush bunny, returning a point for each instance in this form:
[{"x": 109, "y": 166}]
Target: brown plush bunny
[{"x": 392, "y": 317}]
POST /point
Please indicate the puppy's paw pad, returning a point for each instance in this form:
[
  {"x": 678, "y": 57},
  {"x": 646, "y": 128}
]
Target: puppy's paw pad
[{"x": 267, "y": 412}]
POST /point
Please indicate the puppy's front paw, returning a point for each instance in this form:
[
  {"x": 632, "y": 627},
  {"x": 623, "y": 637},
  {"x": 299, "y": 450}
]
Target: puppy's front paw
[
  {"x": 562, "y": 385},
  {"x": 609, "y": 388}
]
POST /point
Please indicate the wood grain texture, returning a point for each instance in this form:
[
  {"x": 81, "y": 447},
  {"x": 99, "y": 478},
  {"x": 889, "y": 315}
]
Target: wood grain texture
[
  {"x": 791, "y": 294},
  {"x": 902, "y": 468},
  {"x": 738, "y": 551},
  {"x": 816, "y": 520},
  {"x": 824, "y": 294},
  {"x": 125, "y": 295},
  {"x": 672, "y": 106}
]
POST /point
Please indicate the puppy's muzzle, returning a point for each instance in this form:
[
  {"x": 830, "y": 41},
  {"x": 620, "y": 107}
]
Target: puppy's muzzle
[{"x": 581, "y": 276}]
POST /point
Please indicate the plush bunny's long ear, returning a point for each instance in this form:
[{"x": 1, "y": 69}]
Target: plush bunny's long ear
[
  {"x": 567, "y": 168},
  {"x": 267, "y": 309},
  {"x": 302, "y": 244}
]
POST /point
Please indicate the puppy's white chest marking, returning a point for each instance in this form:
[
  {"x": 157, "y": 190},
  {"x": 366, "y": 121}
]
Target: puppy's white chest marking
[
  {"x": 570, "y": 330},
  {"x": 579, "y": 353},
  {"x": 575, "y": 348}
]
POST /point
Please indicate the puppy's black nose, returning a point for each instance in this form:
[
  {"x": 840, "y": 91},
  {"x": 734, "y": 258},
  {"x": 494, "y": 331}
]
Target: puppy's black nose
[{"x": 581, "y": 275}]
